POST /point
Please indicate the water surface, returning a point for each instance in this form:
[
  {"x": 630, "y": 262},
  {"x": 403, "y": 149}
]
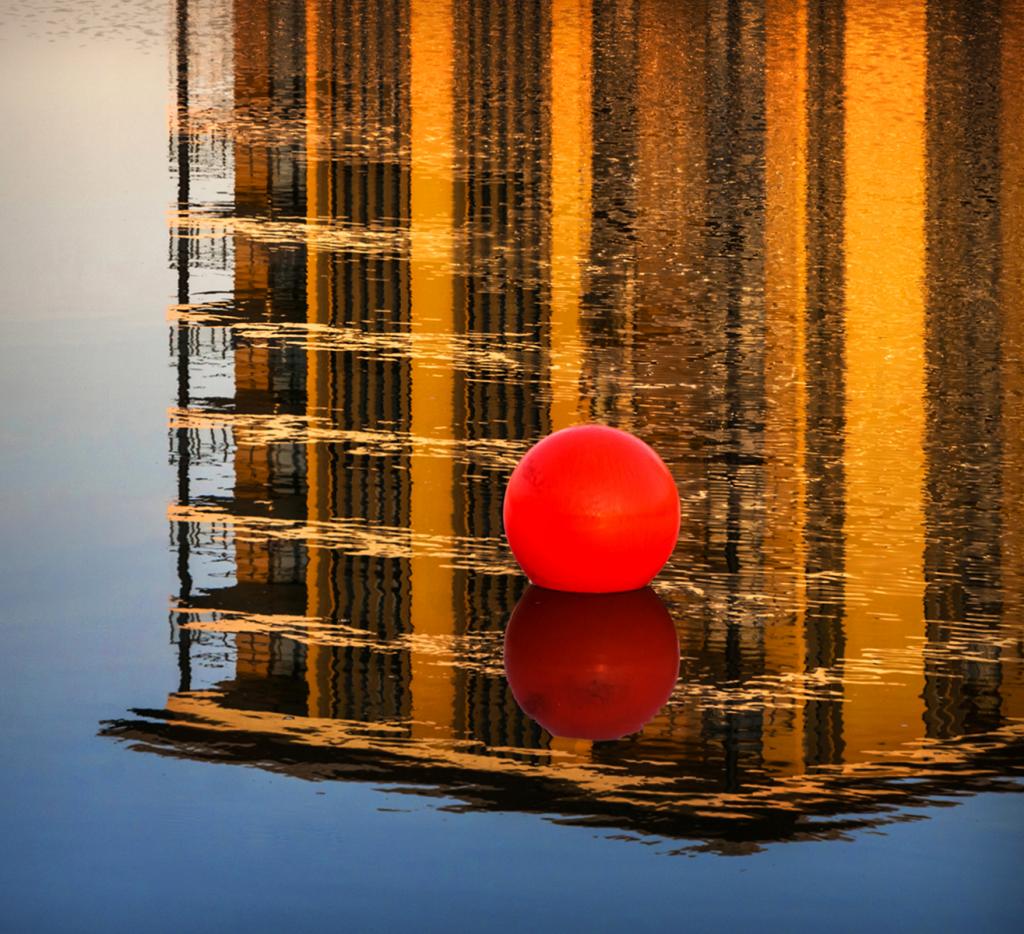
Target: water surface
[{"x": 781, "y": 242}]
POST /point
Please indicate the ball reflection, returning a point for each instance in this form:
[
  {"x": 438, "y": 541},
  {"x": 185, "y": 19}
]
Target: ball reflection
[{"x": 591, "y": 666}]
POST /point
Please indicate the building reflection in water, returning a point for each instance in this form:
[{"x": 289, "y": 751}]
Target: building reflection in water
[{"x": 779, "y": 241}]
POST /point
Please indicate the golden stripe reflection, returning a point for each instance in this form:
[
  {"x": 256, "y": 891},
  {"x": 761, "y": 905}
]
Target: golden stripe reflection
[
  {"x": 1012, "y": 230},
  {"x": 318, "y": 304},
  {"x": 1012, "y": 301},
  {"x": 884, "y": 320},
  {"x": 570, "y": 199},
  {"x": 431, "y": 248}
]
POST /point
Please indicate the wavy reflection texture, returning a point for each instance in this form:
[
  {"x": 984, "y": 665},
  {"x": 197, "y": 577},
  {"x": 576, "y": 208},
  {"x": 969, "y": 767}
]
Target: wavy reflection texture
[{"x": 779, "y": 241}]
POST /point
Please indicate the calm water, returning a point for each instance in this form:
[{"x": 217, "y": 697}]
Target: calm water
[{"x": 292, "y": 285}]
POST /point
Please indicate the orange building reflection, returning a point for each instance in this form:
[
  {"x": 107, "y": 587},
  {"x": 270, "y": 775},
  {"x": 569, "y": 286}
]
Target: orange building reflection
[{"x": 754, "y": 235}]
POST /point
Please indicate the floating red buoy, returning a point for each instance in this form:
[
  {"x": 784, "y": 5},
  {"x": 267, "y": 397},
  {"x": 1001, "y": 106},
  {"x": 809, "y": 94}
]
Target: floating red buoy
[
  {"x": 591, "y": 509},
  {"x": 591, "y": 666}
]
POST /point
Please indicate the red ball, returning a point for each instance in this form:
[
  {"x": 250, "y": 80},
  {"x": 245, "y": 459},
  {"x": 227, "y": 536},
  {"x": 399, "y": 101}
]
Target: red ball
[
  {"x": 591, "y": 509},
  {"x": 591, "y": 666}
]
